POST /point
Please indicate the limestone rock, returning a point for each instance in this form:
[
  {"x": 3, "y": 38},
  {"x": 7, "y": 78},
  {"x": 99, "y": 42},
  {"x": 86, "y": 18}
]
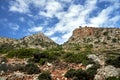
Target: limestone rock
[
  {"x": 16, "y": 76},
  {"x": 106, "y": 71}
]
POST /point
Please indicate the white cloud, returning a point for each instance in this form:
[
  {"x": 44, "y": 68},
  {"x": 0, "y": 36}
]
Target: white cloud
[
  {"x": 38, "y": 3},
  {"x": 20, "y": 6},
  {"x": 14, "y": 27},
  {"x": 35, "y": 29},
  {"x": 101, "y": 18},
  {"x": 51, "y": 8},
  {"x": 115, "y": 18}
]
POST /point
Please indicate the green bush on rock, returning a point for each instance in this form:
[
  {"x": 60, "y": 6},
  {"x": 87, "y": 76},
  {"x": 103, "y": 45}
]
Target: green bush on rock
[
  {"x": 45, "y": 76},
  {"x": 32, "y": 69}
]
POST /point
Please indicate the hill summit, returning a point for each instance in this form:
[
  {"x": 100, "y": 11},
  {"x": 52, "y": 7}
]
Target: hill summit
[{"x": 97, "y": 37}]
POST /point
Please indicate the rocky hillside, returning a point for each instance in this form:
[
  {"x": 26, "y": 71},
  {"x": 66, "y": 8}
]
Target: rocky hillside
[
  {"x": 36, "y": 41},
  {"x": 106, "y": 38},
  {"x": 33, "y": 41}
]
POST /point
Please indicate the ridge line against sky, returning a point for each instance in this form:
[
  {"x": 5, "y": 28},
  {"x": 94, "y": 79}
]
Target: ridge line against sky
[{"x": 55, "y": 18}]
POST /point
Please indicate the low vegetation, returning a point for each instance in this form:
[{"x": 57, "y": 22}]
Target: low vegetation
[
  {"x": 45, "y": 76},
  {"x": 31, "y": 69},
  {"x": 113, "y": 78},
  {"x": 115, "y": 62},
  {"x": 82, "y": 74},
  {"x": 21, "y": 53}
]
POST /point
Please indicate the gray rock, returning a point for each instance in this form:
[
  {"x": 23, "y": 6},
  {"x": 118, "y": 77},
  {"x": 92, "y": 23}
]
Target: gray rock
[
  {"x": 105, "y": 72},
  {"x": 98, "y": 59},
  {"x": 3, "y": 78},
  {"x": 16, "y": 75}
]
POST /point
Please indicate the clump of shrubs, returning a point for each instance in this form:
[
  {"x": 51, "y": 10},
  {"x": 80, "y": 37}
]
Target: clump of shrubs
[
  {"x": 75, "y": 58},
  {"x": 115, "y": 62},
  {"x": 21, "y": 53},
  {"x": 3, "y": 59},
  {"x": 31, "y": 69},
  {"x": 4, "y": 67},
  {"x": 45, "y": 76},
  {"x": 82, "y": 74},
  {"x": 43, "y": 57},
  {"x": 113, "y": 78},
  {"x": 77, "y": 74}
]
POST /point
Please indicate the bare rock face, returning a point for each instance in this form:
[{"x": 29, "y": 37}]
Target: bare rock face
[
  {"x": 107, "y": 71},
  {"x": 98, "y": 37}
]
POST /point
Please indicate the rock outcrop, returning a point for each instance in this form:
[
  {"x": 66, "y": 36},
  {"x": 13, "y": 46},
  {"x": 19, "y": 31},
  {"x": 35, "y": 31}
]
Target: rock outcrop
[
  {"x": 98, "y": 37},
  {"x": 107, "y": 71}
]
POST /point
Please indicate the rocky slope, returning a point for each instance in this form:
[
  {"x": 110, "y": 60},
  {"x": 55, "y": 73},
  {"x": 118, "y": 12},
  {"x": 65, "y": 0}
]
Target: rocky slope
[
  {"x": 33, "y": 41},
  {"x": 105, "y": 38},
  {"x": 36, "y": 41}
]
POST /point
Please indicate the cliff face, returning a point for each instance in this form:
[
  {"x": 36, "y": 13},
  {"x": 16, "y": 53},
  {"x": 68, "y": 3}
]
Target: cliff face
[{"x": 98, "y": 37}]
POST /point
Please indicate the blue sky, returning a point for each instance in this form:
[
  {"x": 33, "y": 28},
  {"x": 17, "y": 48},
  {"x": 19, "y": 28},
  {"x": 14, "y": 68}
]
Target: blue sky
[{"x": 55, "y": 18}]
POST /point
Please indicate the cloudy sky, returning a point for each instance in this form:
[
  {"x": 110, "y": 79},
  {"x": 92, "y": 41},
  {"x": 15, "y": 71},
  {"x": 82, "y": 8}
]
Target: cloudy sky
[{"x": 55, "y": 18}]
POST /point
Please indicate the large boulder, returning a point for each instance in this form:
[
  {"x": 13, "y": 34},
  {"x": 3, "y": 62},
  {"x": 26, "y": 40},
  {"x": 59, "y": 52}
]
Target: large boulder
[{"x": 107, "y": 71}]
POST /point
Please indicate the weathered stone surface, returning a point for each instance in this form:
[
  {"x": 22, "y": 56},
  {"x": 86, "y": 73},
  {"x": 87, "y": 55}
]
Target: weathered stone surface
[
  {"x": 16, "y": 76},
  {"x": 106, "y": 71},
  {"x": 3, "y": 78},
  {"x": 97, "y": 59}
]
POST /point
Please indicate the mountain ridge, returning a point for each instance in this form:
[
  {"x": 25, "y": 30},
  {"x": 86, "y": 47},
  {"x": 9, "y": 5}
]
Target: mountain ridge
[
  {"x": 38, "y": 40},
  {"x": 81, "y": 36}
]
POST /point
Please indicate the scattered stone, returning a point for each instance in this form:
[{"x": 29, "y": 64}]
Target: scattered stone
[
  {"x": 89, "y": 66},
  {"x": 16, "y": 76}
]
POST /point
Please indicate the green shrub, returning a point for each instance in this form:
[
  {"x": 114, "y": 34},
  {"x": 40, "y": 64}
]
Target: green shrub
[
  {"x": 92, "y": 70},
  {"x": 113, "y": 78},
  {"x": 45, "y": 76},
  {"x": 21, "y": 53},
  {"x": 31, "y": 69},
  {"x": 82, "y": 74},
  {"x": 115, "y": 62},
  {"x": 38, "y": 56},
  {"x": 114, "y": 40},
  {"x": 4, "y": 48},
  {"x": 105, "y": 33},
  {"x": 75, "y": 58},
  {"x": 70, "y": 73},
  {"x": 3, "y": 67},
  {"x": 17, "y": 67},
  {"x": 42, "y": 61},
  {"x": 77, "y": 74},
  {"x": 3, "y": 59},
  {"x": 108, "y": 37},
  {"x": 46, "y": 57}
]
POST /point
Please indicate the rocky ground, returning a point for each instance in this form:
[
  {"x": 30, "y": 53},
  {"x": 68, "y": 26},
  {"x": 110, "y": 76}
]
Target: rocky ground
[{"x": 57, "y": 70}]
